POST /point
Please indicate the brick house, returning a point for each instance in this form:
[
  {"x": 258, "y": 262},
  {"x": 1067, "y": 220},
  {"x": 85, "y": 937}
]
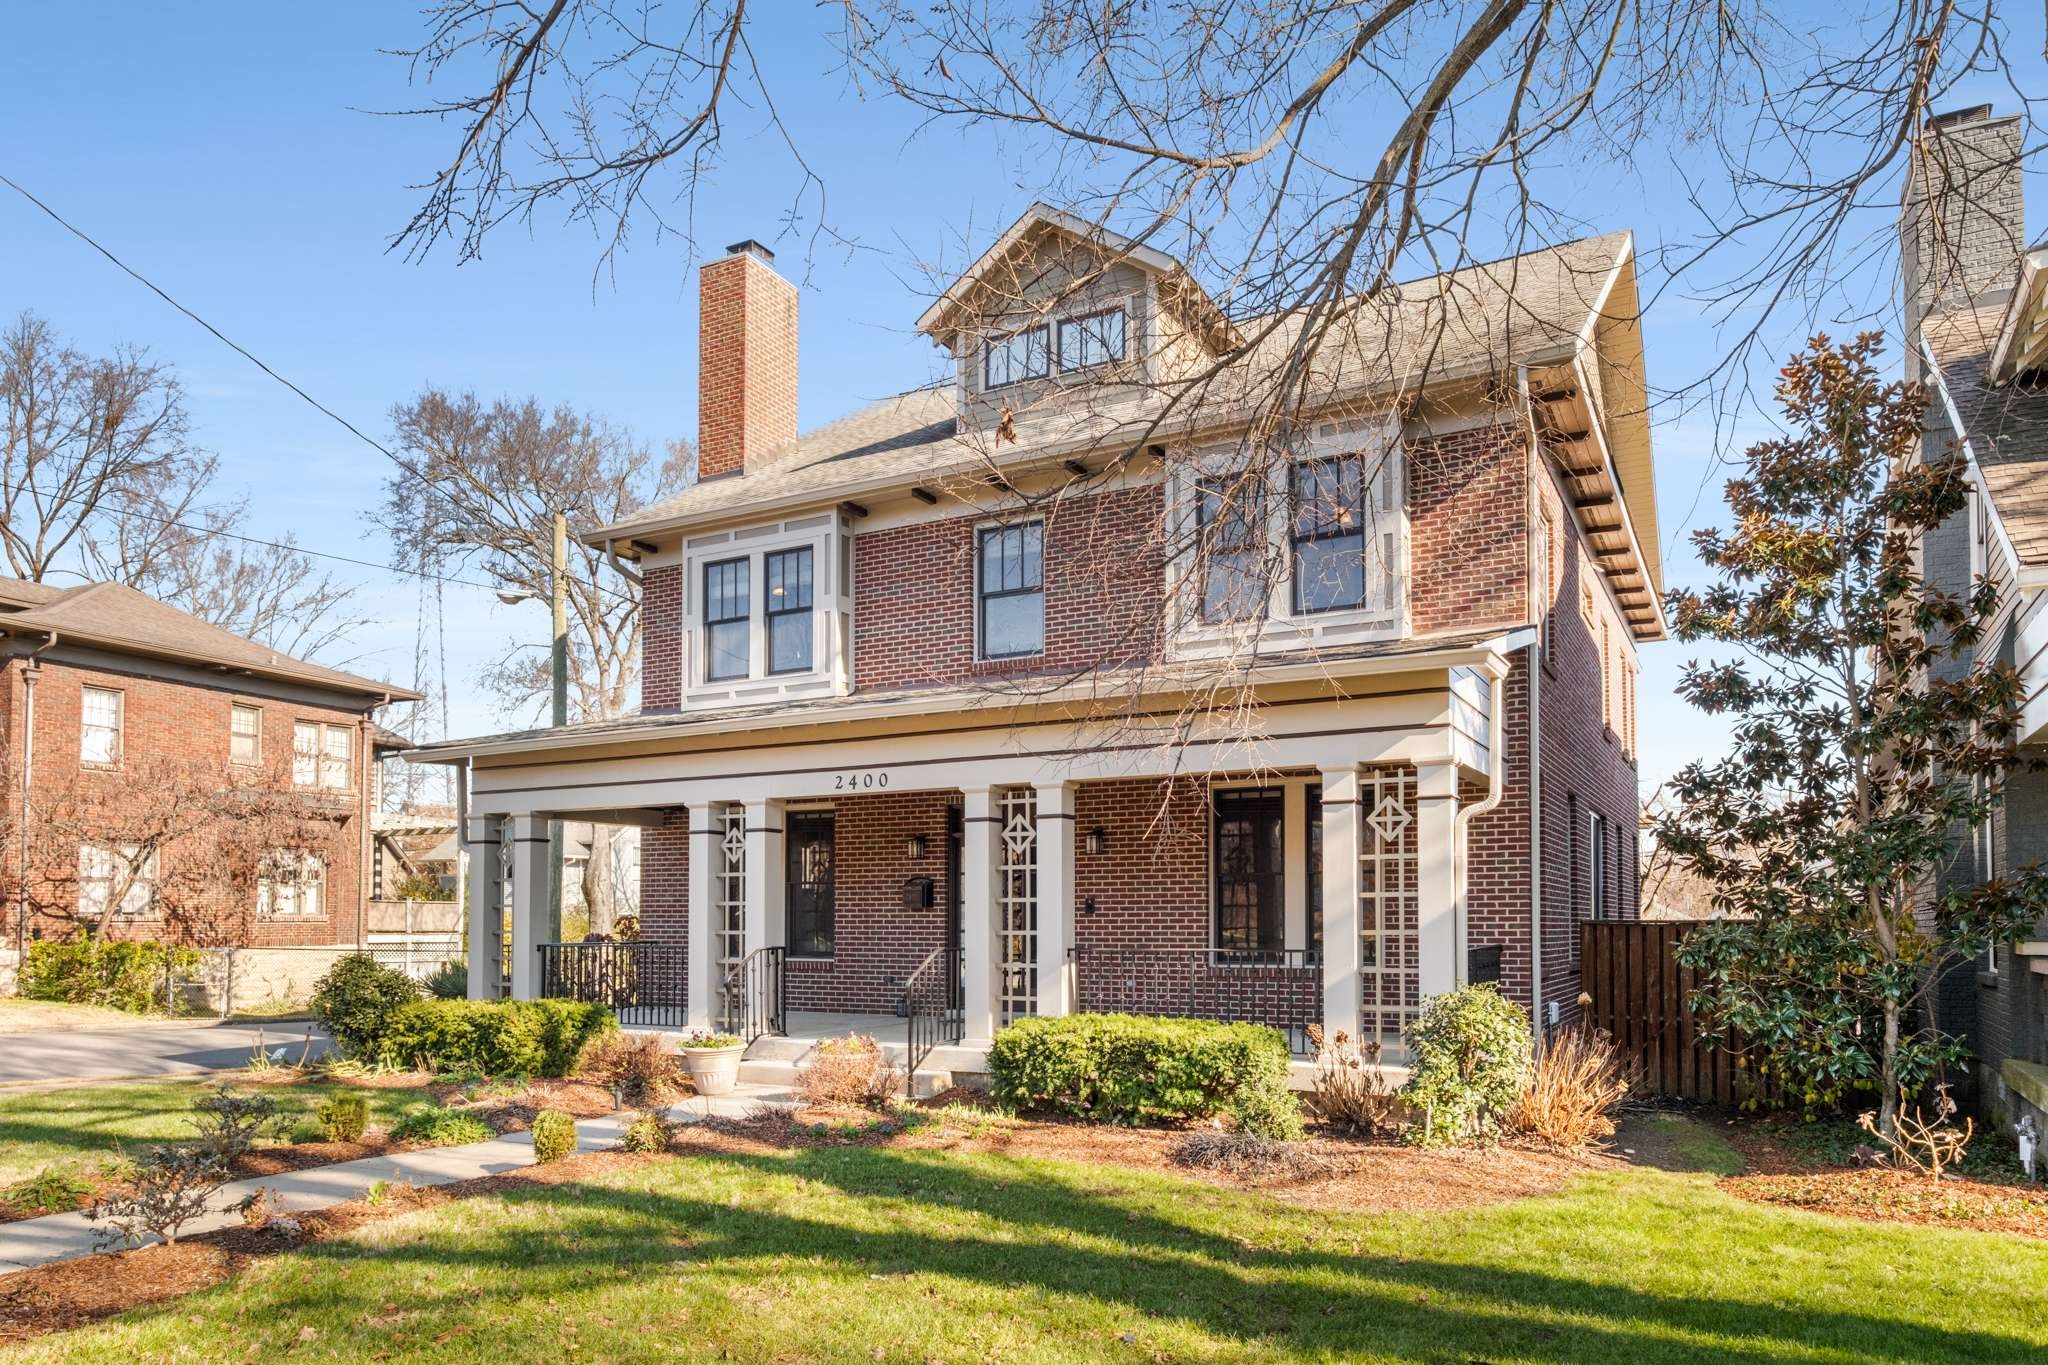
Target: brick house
[
  {"x": 111, "y": 700},
  {"x": 1043, "y": 688},
  {"x": 1976, "y": 310}
]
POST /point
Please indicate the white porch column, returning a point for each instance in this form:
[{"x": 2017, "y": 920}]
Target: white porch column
[
  {"x": 766, "y": 921},
  {"x": 1343, "y": 991},
  {"x": 1055, "y": 896},
  {"x": 486, "y": 908},
  {"x": 978, "y": 847},
  {"x": 701, "y": 952},
  {"x": 1436, "y": 876},
  {"x": 529, "y": 836}
]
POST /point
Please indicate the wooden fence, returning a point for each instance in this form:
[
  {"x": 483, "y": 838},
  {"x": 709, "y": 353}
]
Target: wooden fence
[{"x": 1640, "y": 996}]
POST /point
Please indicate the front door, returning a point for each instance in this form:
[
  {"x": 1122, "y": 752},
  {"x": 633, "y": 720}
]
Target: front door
[
  {"x": 808, "y": 834},
  {"x": 1250, "y": 867}
]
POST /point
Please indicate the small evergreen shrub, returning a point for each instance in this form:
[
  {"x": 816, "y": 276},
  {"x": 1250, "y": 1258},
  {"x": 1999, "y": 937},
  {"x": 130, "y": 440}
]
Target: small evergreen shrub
[
  {"x": 308, "y": 1129},
  {"x": 1121, "y": 1068},
  {"x": 117, "y": 975},
  {"x": 48, "y": 1191},
  {"x": 449, "y": 981},
  {"x": 428, "y": 1125},
  {"x": 354, "y": 1001},
  {"x": 170, "y": 1187},
  {"x": 652, "y": 1130},
  {"x": 1469, "y": 1058},
  {"x": 229, "y": 1121},
  {"x": 345, "y": 1116},
  {"x": 492, "y": 1037},
  {"x": 554, "y": 1135}
]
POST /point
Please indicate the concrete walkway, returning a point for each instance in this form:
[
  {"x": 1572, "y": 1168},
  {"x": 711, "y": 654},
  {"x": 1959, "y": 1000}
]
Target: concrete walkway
[
  {"x": 164, "y": 1050},
  {"x": 66, "y": 1236}
]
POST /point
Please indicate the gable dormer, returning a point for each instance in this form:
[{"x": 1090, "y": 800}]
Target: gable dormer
[{"x": 1061, "y": 311}]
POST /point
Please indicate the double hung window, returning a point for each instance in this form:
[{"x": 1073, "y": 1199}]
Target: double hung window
[
  {"x": 1011, "y": 588},
  {"x": 788, "y": 609},
  {"x": 1231, "y": 517},
  {"x": 727, "y": 645},
  {"x": 1329, "y": 534}
]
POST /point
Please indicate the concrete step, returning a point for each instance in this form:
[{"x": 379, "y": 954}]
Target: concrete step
[{"x": 780, "y": 1074}]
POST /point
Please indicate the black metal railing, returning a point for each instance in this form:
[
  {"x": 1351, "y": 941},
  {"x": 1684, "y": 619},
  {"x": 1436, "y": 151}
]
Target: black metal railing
[
  {"x": 751, "y": 1002},
  {"x": 1280, "y": 987},
  {"x": 641, "y": 981},
  {"x": 932, "y": 1003}
]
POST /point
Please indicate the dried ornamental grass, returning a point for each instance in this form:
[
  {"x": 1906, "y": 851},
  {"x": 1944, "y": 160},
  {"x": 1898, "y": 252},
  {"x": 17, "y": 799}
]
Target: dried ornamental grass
[
  {"x": 1570, "y": 1100},
  {"x": 1349, "y": 1088},
  {"x": 846, "y": 1071}
]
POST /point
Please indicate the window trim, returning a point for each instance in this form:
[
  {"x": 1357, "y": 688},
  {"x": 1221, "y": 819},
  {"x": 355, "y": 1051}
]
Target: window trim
[
  {"x": 770, "y": 613},
  {"x": 988, "y": 347},
  {"x": 983, "y": 594},
  {"x": 1295, "y": 539},
  {"x": 267, "y": 891},
  {"x": 1078, "y": 320},
  {"x": 744, "y": 619},
  {"x": 1596, "y": 865},
  {"x": 148, "y": 876},
  {"x": 120, "y": 728},
  {"x": 236, "y": 709}
]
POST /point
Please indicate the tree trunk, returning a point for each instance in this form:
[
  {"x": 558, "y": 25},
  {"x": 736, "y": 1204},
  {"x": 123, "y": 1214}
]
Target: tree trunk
[
  {"x": 598, "y": 901},
  {"x": 1888, "y": 1080}
]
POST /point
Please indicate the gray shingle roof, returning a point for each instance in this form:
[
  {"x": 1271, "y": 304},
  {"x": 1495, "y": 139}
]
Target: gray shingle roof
[
  {"x": 2007, "y": 425},
  {"x": 1480, "y": 318},
  {"x": 117, "y": 617}
]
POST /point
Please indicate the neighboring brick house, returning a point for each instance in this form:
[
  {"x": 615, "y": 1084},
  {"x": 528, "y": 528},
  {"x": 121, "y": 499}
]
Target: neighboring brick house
[
  {"x": 1976, "y": 306},
  {"x": 1046, "y": 685},
  {"x": 111, "y": 700}
]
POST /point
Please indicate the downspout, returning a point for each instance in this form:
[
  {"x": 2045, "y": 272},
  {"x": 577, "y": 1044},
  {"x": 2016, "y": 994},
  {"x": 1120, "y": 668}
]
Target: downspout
[
  {"x": 1535, "y": 647},
  {"x": 619, "y": 565}
]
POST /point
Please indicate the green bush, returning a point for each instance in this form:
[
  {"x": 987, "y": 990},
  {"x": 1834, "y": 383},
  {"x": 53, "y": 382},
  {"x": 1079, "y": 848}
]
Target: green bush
[
  {"x": 491, "y": 1037},
  {"x": 48, "y": 1191},
  {"x": 1470, "y": 1055},
  {"x": 1121, "y": 1068},
  {"x": 431, "y": 1126},
  {"x": 449, "y": 981},
  {"x": 652, "y": 1130},
  {"x": 230, "y": 1121},
  {"x": 307, "y": 1129},
  {"x": 355, "y": 999},
  {"x": 554, "y": 1135},
  {"x": 95, "y": 971},
  {"x": 345, "y": 1116}
]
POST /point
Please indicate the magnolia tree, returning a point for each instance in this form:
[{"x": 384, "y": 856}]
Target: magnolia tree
[{"x": 1867, "y": 729}]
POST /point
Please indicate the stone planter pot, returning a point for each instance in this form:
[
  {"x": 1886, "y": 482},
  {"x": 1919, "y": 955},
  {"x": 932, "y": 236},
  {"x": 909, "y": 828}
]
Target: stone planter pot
[{"x": 713, "y": 1070}]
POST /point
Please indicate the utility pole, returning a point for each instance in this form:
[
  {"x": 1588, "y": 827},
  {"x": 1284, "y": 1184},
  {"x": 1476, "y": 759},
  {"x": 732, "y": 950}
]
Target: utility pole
[{"x": 559, "y": 678}]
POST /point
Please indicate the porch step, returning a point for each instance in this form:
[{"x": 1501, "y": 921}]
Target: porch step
[{"x": 780, "y": 1074}]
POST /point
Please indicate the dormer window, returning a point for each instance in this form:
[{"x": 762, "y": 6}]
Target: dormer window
[
  {"x": 1091, "y": 340},
  {"x": 1020, "y": 356},
  {"x": 726, "y": 646}
]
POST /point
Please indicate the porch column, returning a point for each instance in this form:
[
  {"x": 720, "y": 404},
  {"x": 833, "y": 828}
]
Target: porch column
[
  {"x": 766, "y": 922},
  {"x": 1436, "y": 876},
  {"x": 1343, "y": 962},
  {"x": 978, "y": 847},
  {"x": 485, "y": 884},
  {"x": 701, "y": 951},
  {"x": 529, "y": 836},
  {"x": 1055, "y": 896}
]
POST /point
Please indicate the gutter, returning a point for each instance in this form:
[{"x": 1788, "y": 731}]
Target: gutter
[
  {"x": 1461, "y": 823},
  {"x": 619, "y": 565}
]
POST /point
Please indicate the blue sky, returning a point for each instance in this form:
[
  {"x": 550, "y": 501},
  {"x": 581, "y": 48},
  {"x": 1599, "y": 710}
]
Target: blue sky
[{"x": 224, "y": 151}]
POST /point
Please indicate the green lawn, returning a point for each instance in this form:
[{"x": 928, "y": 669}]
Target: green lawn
[
  {"x": 76, "y": 1129},
  {"x": 905, "y": 1255}
]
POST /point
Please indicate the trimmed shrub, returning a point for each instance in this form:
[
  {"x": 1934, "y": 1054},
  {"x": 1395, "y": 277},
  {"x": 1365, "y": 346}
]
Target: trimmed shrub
[
  {"x": 639, "y": 1068},
  {"x": 449, "y": 981},
  {"x": 847, "y": 1071},
  {"x": 492, "y": 1037},
  {"x": 554, "y": 1135},
  {"x": 345, "y": 1116},
  {"x": 1121, "y": 1068},
  {"x": 428, "y": 1125},
  {"x": 355, "y": 999},
  {"x": 651, "y": 1131},
  {"x": 308, "y": 1129},
  {"x": 1470, "y": 1057},
  {"x": 229, "y": 1121},
  {"x": 170, "y": 1187},
  {"x": 116, "y": 975}
]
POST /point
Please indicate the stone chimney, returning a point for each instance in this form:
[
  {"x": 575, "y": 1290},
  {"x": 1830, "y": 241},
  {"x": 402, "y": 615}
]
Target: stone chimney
[
  {"x": 746, "y": 360},
  {"x": 1963, "y": 223}
]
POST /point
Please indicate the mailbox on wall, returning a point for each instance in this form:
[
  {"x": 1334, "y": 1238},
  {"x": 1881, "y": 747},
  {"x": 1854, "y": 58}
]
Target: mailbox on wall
[
  {"x": 917, "y": 893},
  {"x": 1482, "y": 965}
]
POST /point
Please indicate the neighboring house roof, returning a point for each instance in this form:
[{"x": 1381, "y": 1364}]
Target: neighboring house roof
[
  {"x": 116, "y": 617},
  {"x": 2005, "y": 423},
  {"x": 1477, "y": 321}
]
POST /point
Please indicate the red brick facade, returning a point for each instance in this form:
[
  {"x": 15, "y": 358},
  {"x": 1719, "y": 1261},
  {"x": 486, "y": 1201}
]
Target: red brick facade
[
  {"x": 661, "y": 638},
  {"x": 185, "y": 722},
  {"x": 1467, "y": 553},
  {"x": 746, "y": 362}
]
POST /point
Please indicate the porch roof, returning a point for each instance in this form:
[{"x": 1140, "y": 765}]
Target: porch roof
[{"x": 1434, "y": 651}]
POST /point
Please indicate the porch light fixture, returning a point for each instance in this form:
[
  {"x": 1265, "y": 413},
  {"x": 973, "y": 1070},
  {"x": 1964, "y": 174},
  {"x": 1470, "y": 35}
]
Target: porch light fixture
[
  {"x": 1098, "y": 841},
  {"x": 913, "y": 847}
]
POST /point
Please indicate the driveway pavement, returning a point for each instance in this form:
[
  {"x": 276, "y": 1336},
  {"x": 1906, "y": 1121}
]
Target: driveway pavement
[{"x": 163, "y": 1050}]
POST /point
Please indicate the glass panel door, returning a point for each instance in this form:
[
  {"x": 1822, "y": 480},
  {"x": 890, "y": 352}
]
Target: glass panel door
[
  {"x": 810, "y": 904},
  {"x": 1250, "y": 861}
]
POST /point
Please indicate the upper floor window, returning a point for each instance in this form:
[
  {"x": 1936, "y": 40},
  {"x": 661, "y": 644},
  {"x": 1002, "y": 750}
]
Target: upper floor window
[
  {"x": 120, "y": 878},
  {"x": 788, "y": 609},
  {"x": 1596, "y": 866},
  {"x": 320, "y": 755},
  {"x": 1011, "y": 591},
  {"x": 726, "y": 637},
  {"x": 1329, "y": 534},
  {"x": 1231, "y": 516},
  {"x": 1093, "y": 339},
  {"x": 99, "y": 729},
  {"x": 245, "y": 734},
  {"x": 1015, "y": 358}
]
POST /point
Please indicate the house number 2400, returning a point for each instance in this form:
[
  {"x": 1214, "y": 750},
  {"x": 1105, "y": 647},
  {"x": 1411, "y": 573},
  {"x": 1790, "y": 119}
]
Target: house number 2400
[{"x": 846, "y": 782}]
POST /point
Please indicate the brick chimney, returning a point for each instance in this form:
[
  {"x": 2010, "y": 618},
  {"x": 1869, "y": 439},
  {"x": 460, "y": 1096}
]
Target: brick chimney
[
  {"x": 1963, "y": 223},
  {"x": 746, "y": 360}
]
